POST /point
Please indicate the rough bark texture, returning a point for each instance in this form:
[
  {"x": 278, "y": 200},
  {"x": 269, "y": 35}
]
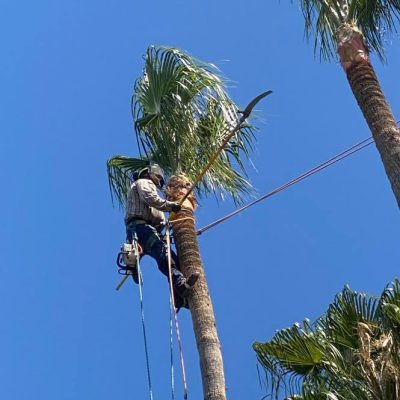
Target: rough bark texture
[
  {"x": 371, "y": 100},
  {"x": 211, "y": 365}
]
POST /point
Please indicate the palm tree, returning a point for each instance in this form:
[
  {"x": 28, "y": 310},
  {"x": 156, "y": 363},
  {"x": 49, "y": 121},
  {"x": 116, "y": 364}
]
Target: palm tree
[
  {"x": 351, "y": 28},
  {"x": 182, "y": 113},
  {"x": 350, "y": 353}
]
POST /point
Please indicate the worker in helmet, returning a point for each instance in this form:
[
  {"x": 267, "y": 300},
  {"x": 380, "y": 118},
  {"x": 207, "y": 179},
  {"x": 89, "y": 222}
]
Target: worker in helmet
[{"x": 145, "y": 218}]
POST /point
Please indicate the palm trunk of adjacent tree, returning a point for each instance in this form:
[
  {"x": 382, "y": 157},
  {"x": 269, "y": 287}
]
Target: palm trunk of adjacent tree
[
  {"x": 371, "y": 100},
  {"x": 211, "y": 365}
]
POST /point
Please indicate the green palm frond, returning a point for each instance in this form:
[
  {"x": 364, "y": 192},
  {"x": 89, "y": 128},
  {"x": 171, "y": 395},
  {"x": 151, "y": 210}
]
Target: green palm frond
[
  {"x": 350, "y": 353},
  {"x": 182, "y": 114},
  {"x": 390, "y": 307},
  {"x": 298, "y": 354},
  {"x": 120, "y": 171},
  {"x": 345, "y": 313},
  {"x": 294, "y": 349},
  {"x": 321, "y": 21},
  {"x": 374, "y": 18}
]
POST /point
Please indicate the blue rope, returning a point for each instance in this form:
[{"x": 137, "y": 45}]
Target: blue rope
[
  {"x": 171, "y": 350},
  {"x": 144, "y": 330}
]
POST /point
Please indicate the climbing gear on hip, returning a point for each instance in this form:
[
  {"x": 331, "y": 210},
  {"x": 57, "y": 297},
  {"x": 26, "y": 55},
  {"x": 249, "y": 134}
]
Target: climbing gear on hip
[{"x": 128, "y": 259}]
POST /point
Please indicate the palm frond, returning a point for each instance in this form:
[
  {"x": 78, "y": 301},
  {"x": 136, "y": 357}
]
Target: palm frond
[
  {"x": 182, "y": 114},
  {"x": 292, "y": 356},
  {"x": 352, "y": 352},
  {"x": 321, "y": 21},
  {"x": 389, "y": 307},
  {"x": 374, "y": 18},
  {"x": 345, "y": 313},
  {"x": 120, "y": 171}
]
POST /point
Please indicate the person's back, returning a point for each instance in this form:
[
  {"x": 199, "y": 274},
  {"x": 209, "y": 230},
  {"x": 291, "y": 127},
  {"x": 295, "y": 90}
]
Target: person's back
[{"x": 144, "y": 202}]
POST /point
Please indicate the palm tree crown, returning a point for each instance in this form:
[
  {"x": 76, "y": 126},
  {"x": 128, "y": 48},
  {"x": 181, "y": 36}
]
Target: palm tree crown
[
  {"x": 350, "y": 353},
  {"x": 351, "y": 28},
  {"x": 182, "y": 114},
  {"x": 372, "y": 17}
]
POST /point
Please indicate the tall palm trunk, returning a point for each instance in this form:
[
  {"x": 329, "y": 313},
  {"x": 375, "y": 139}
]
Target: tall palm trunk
[
  {"x": 371, "y": 100},
  {"x": 208, "y": 346}
]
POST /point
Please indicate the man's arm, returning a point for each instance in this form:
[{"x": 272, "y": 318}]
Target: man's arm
[{"x": 148, "y": 193}]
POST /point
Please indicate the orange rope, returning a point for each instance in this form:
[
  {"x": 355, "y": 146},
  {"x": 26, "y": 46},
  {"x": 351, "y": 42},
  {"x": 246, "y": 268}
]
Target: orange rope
[{"x": 181, "y": 219}]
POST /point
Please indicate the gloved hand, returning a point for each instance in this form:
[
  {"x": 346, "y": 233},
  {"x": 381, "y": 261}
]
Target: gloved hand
[{"x": 175, "y": 207}]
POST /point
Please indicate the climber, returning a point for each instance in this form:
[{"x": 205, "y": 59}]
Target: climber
[{"x": 145, "y": 218}]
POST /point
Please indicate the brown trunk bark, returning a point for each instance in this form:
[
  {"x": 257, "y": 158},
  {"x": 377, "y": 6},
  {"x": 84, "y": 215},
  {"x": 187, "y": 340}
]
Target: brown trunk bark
[
  {"x": 371, "y": 100},
  {"x": 208, "y": 346}
]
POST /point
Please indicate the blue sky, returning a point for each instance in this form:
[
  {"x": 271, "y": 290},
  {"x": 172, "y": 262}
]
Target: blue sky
[{"x": 66, "y": 74}]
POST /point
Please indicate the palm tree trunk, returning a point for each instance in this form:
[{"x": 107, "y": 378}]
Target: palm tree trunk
[
  {"x": 371, "y": 100},
  {"x": 204, "y": 326}
]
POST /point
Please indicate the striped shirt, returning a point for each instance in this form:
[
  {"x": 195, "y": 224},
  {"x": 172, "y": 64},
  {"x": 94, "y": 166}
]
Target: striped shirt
[{"x": 144, "y": 203}]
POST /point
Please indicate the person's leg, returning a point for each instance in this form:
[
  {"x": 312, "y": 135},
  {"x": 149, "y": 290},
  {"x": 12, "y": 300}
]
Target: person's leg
[{"x": 153, "y": 246}]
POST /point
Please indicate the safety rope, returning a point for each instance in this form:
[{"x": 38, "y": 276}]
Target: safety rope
[
  {"x": 171, "y": 347},
  {"x": 181, "y": 219},
  {"x": 178, "y": 335},
  {"x": 346, "y": 153},
  {"x": 146, "y": 350}
]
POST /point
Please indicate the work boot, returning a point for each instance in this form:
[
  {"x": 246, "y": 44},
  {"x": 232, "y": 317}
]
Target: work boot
[
  {"x": 185, "y": 285},
  {"x": 191, "y": 281},
  {"x": 180, "y": 302}
]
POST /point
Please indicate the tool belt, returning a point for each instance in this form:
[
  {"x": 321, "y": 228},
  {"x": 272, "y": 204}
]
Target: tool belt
[{"x": 136, "y": 221}]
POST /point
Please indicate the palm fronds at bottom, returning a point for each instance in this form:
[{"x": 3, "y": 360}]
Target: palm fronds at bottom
[{"x": 352, "y": 352}]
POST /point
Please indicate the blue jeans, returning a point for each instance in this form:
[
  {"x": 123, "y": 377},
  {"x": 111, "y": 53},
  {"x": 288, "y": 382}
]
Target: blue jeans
[{"x": 152, "y": 245}]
